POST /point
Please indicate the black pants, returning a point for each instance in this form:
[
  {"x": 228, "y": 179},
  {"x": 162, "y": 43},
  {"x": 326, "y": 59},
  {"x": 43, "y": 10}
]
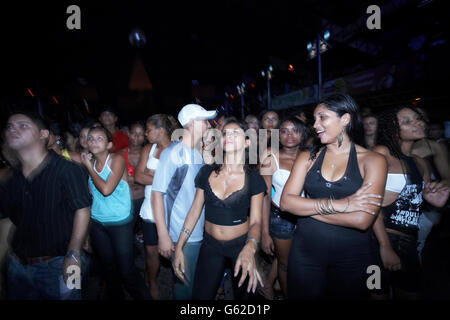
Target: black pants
[
  {"x": 329, "y": 262},
  {"x": 410, "y": 277},
  {"x": 113, "y": 246},
  {"x": 211, "y": 267}
]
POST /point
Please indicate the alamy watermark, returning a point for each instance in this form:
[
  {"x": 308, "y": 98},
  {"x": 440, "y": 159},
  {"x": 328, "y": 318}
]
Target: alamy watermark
[
  {"x": 74, "y": 20},
  {"x": 374, "y": 280},
  {"x": 374, "y": 20},
  {"x": 74, "y": 277}
]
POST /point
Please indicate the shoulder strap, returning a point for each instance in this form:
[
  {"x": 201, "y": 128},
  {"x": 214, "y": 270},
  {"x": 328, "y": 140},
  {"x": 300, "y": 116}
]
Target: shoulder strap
[
  {"x": 153, "y": 150},
  {"x": 319, "y": 160},
  {"x": 107, "y": 161},
  {"x": 276, "y": 160}
]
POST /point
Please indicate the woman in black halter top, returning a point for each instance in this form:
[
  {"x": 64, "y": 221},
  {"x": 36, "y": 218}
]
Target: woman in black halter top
[{"x": 333, "y": 246}]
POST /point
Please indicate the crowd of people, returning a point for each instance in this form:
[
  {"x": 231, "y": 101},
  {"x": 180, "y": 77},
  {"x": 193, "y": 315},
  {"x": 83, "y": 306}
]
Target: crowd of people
[{"x": 320, "y": 199}]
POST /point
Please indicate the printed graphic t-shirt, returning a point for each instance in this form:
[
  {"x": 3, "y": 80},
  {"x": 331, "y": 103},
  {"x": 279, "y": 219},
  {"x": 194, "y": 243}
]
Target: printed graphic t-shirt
[{"x": 175, "y": 176}]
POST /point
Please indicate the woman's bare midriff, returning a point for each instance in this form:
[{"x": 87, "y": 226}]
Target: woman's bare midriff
[
  {"x": 226, "y": 233},
  {"x": 396, "y": 232}
]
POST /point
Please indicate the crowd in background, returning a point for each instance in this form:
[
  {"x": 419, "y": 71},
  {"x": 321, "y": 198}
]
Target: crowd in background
[{"x": 334, "y": 191}]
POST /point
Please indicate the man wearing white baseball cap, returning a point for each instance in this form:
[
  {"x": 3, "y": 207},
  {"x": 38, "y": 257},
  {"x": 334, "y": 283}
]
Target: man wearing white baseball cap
[{"x": 173, "y": 193}]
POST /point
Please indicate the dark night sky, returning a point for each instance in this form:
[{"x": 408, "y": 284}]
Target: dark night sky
[{"x": 215, "y": 42}]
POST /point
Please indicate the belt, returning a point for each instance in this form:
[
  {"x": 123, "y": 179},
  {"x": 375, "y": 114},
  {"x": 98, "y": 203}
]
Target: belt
[{"x": 33, "y": 260}]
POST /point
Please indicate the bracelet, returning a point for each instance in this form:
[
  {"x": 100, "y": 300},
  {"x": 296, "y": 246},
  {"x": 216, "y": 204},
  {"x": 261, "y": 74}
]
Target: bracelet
[
  {"x": 72, "y": 254},
  {"x": 252, "y": 239},
  {"x": 187, "y": 231},
  {"x": 323, "y": 207},
  {"x": 337, "y": 211}
]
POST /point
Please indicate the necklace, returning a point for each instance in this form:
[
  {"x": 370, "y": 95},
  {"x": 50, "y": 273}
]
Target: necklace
[{"x": 228, "y": 172}]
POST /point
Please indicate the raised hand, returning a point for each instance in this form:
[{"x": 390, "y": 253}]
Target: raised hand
[
  {"x": 86, "y": 159},
  {"x": 436, "y": 193}
]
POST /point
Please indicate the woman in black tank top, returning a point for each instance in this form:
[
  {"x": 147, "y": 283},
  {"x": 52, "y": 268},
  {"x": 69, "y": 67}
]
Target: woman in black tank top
[
  {"x": 397, "y": 228},
  {"x": 333, "y": 247},
  {"x": 232, "y": 194}
]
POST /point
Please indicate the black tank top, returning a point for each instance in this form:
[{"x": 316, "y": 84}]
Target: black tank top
[
  {"x": 316, "y": 187},
  {"x": 403, "y": 214}
]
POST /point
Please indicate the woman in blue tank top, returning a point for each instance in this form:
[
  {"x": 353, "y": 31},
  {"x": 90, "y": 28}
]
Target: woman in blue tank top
[
  {"x": 332, "y": 247},
  {"x": 111, "y": 230}
]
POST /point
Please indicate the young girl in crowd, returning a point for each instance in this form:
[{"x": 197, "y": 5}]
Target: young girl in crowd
[
  {"x": 229, "y": 191},
  {"x": 131, "y": 154},
  {"x": 370, "y": 123},
  {"x": 56, "y": 143},
  {"x": 111, "y": 230},
  {"x": 397, "y": 228},
  {"x": 158, "y": 133},
  {"x": 269, "y": 120},
  {"x": 333, "y": 243},
  {"x": 278, "y": 226}
]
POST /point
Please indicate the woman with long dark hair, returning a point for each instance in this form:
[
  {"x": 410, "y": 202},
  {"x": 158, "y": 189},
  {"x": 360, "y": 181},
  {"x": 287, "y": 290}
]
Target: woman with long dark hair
[
  {"x": 159, "y": 128},
  {"x": 408, "y": 183},
  {"x": 131, "y": 154},
  {"x": 344, "y": 183},
  {"x": 278, "y": 226},
  {"x": 111, "y": 232},
  {"x": 229, "y": 191}
]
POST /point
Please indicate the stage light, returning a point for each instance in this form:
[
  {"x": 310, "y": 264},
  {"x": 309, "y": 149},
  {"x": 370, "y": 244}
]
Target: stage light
[
  {"x": 326, "y": 35},
  {"x": 137, "y": 38}
]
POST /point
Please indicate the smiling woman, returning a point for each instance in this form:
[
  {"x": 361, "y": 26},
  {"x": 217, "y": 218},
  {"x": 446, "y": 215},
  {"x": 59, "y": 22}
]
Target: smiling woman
[
  {"x": 333, "y": 243},
  {"x": 397, "y": 228}
]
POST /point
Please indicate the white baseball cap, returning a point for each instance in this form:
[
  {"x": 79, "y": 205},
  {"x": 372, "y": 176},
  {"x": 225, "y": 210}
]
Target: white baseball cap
[{"x": 194, "y": 112}]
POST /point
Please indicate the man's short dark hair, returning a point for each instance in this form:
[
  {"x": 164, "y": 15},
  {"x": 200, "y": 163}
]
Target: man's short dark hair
[
  {"x": 105, "y": 108},
  {"x": 35, "y": 117}
]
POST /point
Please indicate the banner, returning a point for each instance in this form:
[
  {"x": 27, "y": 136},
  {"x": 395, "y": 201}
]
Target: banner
[{"x": 382, "y": 77}]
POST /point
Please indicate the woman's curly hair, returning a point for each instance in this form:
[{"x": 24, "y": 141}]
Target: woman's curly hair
[{"x": 388, "y": 133}]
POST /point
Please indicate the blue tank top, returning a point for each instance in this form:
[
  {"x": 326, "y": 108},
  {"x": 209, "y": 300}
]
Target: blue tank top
[{"x": 115, "y": 208}]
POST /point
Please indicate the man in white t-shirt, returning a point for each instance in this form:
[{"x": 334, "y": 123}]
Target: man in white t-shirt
[{"x": 173, "y": 192}]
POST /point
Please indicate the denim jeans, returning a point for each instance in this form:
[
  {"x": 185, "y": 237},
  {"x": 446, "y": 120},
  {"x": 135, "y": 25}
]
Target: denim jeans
[
  {"x": 113, "y": 245},
  {"x": 183, "y": 291},
  {"x": 282, "y": 224},
  {"x": 40, "y": 281}
]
